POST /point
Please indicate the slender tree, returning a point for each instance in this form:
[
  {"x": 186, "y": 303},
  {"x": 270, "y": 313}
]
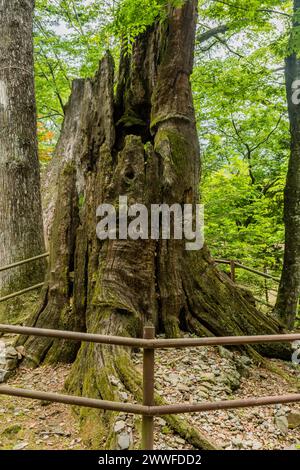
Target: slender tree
[
  {"x": 141, "y": 143},
  {"x": 289, "y": 289},
  {"x": 21, "y": 227}
]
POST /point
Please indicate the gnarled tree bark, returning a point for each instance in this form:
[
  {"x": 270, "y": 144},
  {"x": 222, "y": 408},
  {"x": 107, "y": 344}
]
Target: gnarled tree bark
[
  {"x": 289, "y": 289},
  {"x": 143, "y": 144},
  {"x": 21, "y": 225}
]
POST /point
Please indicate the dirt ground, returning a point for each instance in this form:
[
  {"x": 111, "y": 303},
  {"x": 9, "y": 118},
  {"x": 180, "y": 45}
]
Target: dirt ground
[{"x": 181, "y": 376}]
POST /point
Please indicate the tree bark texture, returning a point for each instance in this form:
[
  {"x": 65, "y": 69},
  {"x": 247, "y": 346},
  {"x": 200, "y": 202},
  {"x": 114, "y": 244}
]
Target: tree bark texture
[
  {"x": 289, "y": 288},
  {"x": 21, "y": 226}
]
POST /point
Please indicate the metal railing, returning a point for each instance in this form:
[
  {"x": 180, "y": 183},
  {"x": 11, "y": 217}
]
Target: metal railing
[
  {"x": 148, "y": 410},
  {"x": 233, "y": 265},
  {"x": 21, "y": 263},
  {"x": 149, "y": 344},
  {"x": 236, "y": 264}
]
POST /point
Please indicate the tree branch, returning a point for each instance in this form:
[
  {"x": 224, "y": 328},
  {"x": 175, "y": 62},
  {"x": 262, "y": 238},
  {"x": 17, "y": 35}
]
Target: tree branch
[
  {"x": 268, "y": 136},
  {"x": 259, "y": 10},
  {"x": 202, "y": 37},
  {"x": 266, "y": 10}
]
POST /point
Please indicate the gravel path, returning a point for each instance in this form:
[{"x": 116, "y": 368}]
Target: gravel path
[
  {"x": 182, "y": 376},
  {"x": 32, "y": 424},
  {"x": 211, "y": 373}
]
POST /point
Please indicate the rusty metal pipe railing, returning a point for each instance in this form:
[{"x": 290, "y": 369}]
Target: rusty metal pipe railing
[
  {"x": 223, "y": 341},
  {"x": 148, "y": 390},
  {"x": 224, "y": 405},
  {"x": 25, "y": 261},
  {"x": 233, "y": 264},
  {"x": 232, "y": 270},
  {"x": 149, "y": 411},
  {"x": 246, "y": 268},
  {"x": 21, "y": 292},
  {"x": 20, "y": 263},
  {"x": 73, "y": 400},
  {"x": 150, "y": 343},
  {"x": 76, "y": 336}
]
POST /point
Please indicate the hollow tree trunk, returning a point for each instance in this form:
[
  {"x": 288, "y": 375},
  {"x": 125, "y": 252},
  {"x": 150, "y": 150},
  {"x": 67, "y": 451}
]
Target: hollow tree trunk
[
  {"x": 289, "y": 288},
  {"x": 142, "y": 144},
  {"x": 21, "y": 226}
]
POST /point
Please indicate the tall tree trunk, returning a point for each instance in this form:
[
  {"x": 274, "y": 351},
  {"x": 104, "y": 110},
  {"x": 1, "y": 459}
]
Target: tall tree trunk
[
  {"x": 21, "y": 226},
  {"x": 142, "y": 144},
  {"x": 289, "y": 289}
]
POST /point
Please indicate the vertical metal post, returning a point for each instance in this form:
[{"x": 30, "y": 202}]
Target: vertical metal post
[
  {"x": 148, "y": 390},
  {"x": 232, "y": 270},
  {"x": 266, "y": 285}
]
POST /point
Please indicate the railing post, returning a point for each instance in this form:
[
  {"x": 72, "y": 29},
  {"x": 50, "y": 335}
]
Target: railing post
[
  {"x": 266, "y": 285},
  {"x": 148, "y": 390},
  {"x": 232, "y": 270}
]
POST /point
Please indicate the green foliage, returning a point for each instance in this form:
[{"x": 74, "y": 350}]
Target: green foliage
[
  {"x": 243, "y": 222},
  {"x": 240, "y": 103},
  {"x": 132, "y": 18},
  {"x": 70, "y": 37},
  {"x": 68, "y": 43}
]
